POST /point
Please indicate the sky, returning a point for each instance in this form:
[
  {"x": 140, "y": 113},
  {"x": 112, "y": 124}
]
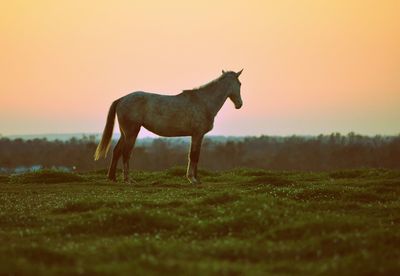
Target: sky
[{"x": 310, "y": 67}]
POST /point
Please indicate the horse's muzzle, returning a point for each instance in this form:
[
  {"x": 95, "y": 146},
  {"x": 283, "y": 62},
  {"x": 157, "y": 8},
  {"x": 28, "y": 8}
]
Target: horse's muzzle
[{"x": 238, "y": 106}]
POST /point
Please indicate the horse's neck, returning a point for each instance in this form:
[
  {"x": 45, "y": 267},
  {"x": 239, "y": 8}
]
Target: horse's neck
[{"x": 215, "y": 98}]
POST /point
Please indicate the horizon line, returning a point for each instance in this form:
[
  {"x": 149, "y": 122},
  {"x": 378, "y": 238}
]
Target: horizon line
[{"x": 154, "y": 136}]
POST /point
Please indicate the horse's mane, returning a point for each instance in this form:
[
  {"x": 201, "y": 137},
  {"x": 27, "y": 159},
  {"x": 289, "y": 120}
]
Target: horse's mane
[{"x": 208, "y": 85}]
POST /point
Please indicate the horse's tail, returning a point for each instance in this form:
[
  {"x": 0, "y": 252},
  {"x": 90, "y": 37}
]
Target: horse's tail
[{"x": 105, "y": 142}]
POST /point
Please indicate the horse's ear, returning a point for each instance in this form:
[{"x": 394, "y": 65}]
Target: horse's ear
[
  {"x": 238, "y": 73},
  {"x": 223, "y": 72}
]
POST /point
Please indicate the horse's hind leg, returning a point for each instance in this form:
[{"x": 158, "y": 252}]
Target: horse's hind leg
[
  {"x": 194, "y": 155},
  {"x": 115, "y": 157},
  {"x": 130, "y": 139}
]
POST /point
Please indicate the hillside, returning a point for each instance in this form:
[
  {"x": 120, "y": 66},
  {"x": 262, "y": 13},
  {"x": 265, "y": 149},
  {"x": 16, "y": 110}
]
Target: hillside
[{"x": 238, "y": 221}]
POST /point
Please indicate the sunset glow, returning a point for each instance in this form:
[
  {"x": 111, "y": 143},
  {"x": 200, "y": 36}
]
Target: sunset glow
[{"x": 310, "y": 67}]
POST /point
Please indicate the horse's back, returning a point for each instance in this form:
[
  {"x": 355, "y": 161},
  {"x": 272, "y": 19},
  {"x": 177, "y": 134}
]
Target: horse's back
[{"x": 141, "y": 99}]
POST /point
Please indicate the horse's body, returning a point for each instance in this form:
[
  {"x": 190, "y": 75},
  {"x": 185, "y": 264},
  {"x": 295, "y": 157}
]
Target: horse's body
[
  {"x": 190, "y": 113},
  {"x": 179, "y": 115}
]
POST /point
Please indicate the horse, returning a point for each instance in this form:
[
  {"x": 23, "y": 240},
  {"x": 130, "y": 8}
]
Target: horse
[{"x": 190, "y": 113}]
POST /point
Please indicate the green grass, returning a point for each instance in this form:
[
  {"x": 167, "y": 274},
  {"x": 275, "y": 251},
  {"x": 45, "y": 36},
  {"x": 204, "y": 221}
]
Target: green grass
[
  {"x": 244, "y": 221},
  {"x": 46, "y": 176}
]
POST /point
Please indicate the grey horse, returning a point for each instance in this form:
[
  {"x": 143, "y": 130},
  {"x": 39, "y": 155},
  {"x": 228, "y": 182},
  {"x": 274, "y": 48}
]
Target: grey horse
[{"x": 190, "y": 113}]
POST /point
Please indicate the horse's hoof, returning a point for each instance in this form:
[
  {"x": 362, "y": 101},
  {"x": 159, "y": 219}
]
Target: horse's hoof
[
  {"x": 194, "y": 181},
  {"x": 130, "y": 182}
]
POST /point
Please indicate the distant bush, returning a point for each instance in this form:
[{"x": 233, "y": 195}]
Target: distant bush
[
  {"x": 46, "y": 176},
  {"x": 296, "y": 153}
]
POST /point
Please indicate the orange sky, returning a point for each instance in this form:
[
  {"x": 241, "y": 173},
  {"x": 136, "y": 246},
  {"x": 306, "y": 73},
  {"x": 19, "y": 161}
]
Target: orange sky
[{"x": 310, "y": 67}]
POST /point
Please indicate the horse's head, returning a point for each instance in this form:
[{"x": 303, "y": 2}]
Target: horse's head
[{"x": 234, "y": 87}]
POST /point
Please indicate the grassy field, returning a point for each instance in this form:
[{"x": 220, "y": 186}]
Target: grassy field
[{"x": 243, "y": 221}]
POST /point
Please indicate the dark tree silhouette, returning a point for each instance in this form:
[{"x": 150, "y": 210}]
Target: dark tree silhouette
[{"x": 324, "y": 152}]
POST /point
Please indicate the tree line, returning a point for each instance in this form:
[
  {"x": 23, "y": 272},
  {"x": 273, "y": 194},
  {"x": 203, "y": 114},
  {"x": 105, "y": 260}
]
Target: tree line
[{"x": 323, "y": 152}]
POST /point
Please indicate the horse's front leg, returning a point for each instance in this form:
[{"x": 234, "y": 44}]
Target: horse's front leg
[{"x": 194, "y": 155}]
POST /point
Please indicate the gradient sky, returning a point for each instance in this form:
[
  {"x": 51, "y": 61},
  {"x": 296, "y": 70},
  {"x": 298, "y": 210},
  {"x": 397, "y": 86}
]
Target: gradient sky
[{"x": 310, "y": 67}]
